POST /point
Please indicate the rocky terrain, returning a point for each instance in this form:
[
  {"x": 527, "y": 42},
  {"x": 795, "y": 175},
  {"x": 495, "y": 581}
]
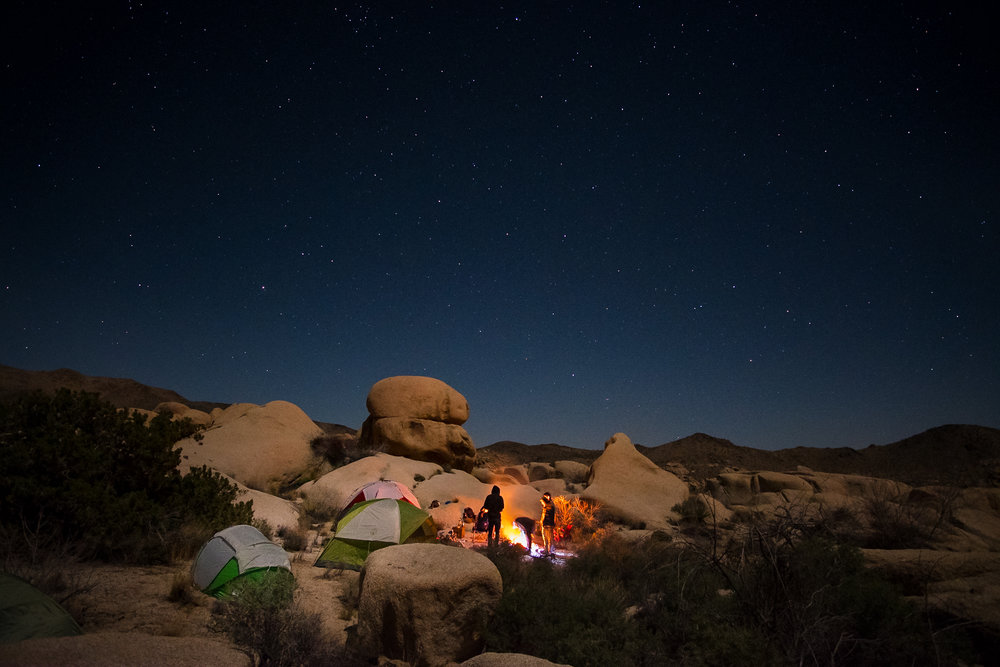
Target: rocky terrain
[
  {"x": 947, "y": 478},
  {"x": 973, "y": 452}
]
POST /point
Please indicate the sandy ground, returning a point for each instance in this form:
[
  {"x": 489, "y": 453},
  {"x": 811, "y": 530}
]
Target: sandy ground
[{"x": 128, "y": 617}]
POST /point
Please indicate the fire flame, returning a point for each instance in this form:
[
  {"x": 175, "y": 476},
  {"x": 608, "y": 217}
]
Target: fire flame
[{"x": 513, "y": 533}]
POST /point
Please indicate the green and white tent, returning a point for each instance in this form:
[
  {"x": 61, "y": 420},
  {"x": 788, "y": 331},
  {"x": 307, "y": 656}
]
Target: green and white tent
[
  {"x": 27, "y": 613},
  {"x": 371, "y": 525},
  {"x": 235, "y": 555}
]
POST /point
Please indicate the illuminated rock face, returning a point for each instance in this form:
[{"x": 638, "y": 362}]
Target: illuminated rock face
[
  {"x": 426, "y": 604},
  {"x": 417, "y": 397},
  {"x": 631, "y": 487},
  {"x": 254, "y": 444},
  {"x": 419, "y": 418}
]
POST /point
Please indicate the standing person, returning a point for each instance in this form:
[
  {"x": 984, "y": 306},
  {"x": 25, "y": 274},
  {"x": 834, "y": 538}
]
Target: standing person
[
  {"x": 548, "y": 521},
  {"x": 493, "y": 506}
]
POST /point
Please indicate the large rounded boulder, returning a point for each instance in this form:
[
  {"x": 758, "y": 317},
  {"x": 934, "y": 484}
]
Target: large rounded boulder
[
  {"x": 417, "y": 397},
  {"x": 420, "y": 418},
  {"x": 255, "y": 444},
  {"x": 426, "y": 604}
]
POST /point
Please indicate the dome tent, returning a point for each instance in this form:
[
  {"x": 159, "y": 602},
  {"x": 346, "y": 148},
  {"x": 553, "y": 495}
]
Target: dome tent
[
  {"x": 371, "y": 525},
  {"x": 234, "y": 555},
  {"x": 383, "y": 488},
  {"x": 27, "y": 613}
]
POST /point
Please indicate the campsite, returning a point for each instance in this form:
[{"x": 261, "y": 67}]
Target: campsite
[{"x": 332, "y": 546}]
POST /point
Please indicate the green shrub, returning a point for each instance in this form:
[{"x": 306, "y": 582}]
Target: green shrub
[
  {"x": 263, "y": 618},
  {"x": 105, "y": 479}
]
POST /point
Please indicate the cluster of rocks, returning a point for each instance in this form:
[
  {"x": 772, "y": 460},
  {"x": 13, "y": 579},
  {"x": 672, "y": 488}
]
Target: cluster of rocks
[{"x": 419, "y": 418}]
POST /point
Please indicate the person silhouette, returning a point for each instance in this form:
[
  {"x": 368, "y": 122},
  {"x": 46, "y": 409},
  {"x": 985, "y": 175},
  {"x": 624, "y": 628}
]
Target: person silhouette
[{"x": 494, "y": 507}]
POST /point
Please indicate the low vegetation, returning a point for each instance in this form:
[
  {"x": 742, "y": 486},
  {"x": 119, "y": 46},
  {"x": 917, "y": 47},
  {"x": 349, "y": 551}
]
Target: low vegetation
[
  {"x": 339, "y": 449},
  {"x": 779, "y": 593},
  {"x": 105, "y": 480},
  {"x": 263, "y": 618}
]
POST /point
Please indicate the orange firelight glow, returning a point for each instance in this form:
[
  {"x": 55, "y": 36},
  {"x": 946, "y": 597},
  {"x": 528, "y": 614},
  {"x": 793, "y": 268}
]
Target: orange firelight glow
[{"x": 513, "y": 533}]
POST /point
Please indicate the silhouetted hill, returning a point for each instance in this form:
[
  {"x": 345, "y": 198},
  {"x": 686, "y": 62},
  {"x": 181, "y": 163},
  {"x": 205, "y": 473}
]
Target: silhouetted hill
[
  {"x": 120, "y": 392},
  {"x": 953, "y": 455},
  {"x": 508, "y": 452}
]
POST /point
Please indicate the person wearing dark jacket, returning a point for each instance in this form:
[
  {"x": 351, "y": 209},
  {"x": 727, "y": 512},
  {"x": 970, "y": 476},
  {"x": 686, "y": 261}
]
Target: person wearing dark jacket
[
  {"x": 548, "y": 521},
  {"x": 493, "y": 506}
]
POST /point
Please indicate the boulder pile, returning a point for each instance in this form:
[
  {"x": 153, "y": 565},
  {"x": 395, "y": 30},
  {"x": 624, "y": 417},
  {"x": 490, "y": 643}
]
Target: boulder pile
[{"x": 420, "y": 418}]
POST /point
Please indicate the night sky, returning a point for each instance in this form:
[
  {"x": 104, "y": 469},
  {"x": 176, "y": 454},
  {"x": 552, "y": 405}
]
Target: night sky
[{"x": 776, "y": 224}]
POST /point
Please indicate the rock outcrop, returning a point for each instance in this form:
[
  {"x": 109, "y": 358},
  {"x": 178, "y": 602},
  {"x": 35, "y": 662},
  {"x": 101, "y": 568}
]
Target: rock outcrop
[
  {"x": 255, "y": 444},
  {"x": 331, "y": 491},
  {"x": 631, "y": 487},
  {"x": 417, "y": 397},
  {"x": 420, "y": 418},
  {"x": 426, "y": 604}
]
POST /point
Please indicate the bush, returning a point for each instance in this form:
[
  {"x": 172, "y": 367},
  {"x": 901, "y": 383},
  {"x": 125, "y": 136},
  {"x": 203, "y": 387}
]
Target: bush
[
  {"x": 779, "y": 596},
  {"x": 106, "y": 479},
  {"x": 576, "y": 519},
  {"x": 895, "y": 523},
  {"x": 293, "y": 539},
  {"x": 693, "y": 510},
  {"x": 264, "y": 620},
  {"x": 339, "y": 449}
]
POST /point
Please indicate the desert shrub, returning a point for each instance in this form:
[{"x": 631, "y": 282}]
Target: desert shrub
[
  {"x": 49, "y": 562},
  {"x": 817, "y": 603},
  {"x": 895, "y": 523},
  {"x": 547, "y": 614},
  {"x": 181, "y": 589},
  {"x": 315, "y": 513},
  {"x": 292, "y": 540},
  {"x": 103, "y": 478},
  {"x": 780, "y": 595},
  {"x": 692, "y": 510},
  {"x": 263, "y": 618},
  {"x": 841, "y": 524},
  {"x": 264, "y": 527},
  {"x": 339, "y": 449},
  {"x": 584, "y": 518},
  {"x": 620, "y": 602},
  {"x": 350, "y": 600}
]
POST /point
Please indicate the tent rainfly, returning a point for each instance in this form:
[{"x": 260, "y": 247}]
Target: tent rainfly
[
  {"x": 28, "y": 613},
  {"x": 383, "y": 488},
  {"x": 371, "y": 525},
  {"x": 234, "y": 555}
]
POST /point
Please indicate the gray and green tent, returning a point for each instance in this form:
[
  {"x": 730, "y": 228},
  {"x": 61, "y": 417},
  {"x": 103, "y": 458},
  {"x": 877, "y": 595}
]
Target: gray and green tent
[
  {"x": 234, "y": 555},
  {"x": 27, "y": 613},
  {"x": 371, "y": 525}
]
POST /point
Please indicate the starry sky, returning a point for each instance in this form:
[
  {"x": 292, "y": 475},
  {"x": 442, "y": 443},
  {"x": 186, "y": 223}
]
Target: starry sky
[{"x": 774, "y": 224}]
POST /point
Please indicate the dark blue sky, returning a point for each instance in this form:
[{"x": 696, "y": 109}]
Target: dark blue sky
[{"x": 776, "y": 224}]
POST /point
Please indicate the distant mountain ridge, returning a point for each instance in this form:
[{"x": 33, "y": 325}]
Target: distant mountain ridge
[
  {"x": 955, "y": 454},
  {"x": 960, "y": 455},
  {"x": 120, "y": 392}
]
